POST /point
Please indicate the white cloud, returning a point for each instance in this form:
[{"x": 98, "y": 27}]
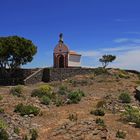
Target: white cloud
[
  {"x": 128, "y": 60},
  {"x": 126, "y": 40},
  {"x": 127, "y": 57},
  {"x": 90, "y": 53},
  {"x": 136, "y": 33},
  {"x": 120, "y": 48}
]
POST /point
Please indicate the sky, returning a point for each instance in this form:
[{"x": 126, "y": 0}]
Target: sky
[{"x": 90, "y": 27}]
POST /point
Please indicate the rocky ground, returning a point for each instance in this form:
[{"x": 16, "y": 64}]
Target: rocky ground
[{"x": 54, "y": 122}]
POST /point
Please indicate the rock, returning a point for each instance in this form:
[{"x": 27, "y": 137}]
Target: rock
[
  {"x": 132, "y": 123},
  {"x": 122, "y": 110},
  {"x": 137, "y": 95},
  {"x": 26, "y": 116},
  {"x": 31, "y": 115}
]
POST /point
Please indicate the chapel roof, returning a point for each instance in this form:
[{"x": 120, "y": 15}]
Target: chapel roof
[{"x": 61, "y": 46}]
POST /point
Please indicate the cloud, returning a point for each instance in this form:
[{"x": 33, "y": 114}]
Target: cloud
[
  {"x": 128, "y": 60},
  {"x": 126, "y": 57},
  {"x": 121, "y": 48},
  {"x": 126, "y": 40},
  {"x": 136, "y": 33},
  {"x": 90, "y": 53}
]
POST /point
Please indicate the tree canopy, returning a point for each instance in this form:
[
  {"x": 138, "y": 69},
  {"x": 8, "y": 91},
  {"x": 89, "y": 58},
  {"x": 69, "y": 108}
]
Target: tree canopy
[
  {"x": 15, "y": 51},
  {"x": 106, "y": 59}
]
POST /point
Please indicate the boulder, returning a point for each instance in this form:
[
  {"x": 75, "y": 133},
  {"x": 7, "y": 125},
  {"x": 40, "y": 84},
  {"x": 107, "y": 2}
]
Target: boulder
[{"x": 137, "y": 95}]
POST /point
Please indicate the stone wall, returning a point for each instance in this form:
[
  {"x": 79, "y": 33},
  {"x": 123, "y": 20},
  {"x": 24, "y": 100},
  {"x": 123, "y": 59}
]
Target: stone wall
[
  {"x": 16, "y": 77},
  {"x": 56, "y": 74},
  {"x": 34, "y": 78}
]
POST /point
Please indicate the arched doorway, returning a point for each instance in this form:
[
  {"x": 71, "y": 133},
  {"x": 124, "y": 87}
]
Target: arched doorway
[{"x": 61, "y": 61}]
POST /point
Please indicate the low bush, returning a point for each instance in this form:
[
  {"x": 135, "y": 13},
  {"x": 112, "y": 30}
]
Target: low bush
[
  {"x": 27, "y": 109},
  {"x": 125, "y": 97},
  {"x": 41, "y": 91},
  {"x": 17, "y": 91},
  {"x": 34, "y": 134},
  {"x": 99, "y": 71},
  {"x": 73, "y": 117},
  {"x": 75, "y": 96},
  {"x": 98, "y": 112},
  {"x": 101, "y": 104},
  {"x": 45, "y": 100},
  {"x": 63, "y": 90},
  {"x": 16, "y": 130},
  {"x": 120, "y": 134},
  {"x": 3, "y": 124},
  {"x": 100, "y": 122},
  {"x": 1, "y": 97},
  {"x": 58, "y": 101},
  {"x": 73, "y": 82},
  {"x": 25, "y": 137},
  {"x": 123, "y": 74},
  {"x": 3, "y": 134},
  {"x": 1, "y": 110},
  {"x": 132, "y": 114}
]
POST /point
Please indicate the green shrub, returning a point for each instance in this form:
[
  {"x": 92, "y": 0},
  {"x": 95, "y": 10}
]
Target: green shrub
[
  {"x": 75, "y": 96},
  {"x": 125, "y": 97},
  {"x": 3, "y": 135},
  {"x": 63, "y": 90},
  {"x": 1, "y": 97},
  {"x": 98, "y": 112},
  {"x": 58, "y": 101},
  {"x": 3, "y": 124},
  {"x": 41, "y": 91},
  {"x": 73, "y": 117},
  {"x": 132, "y": 114},
  {"x": 99, "y": 71},
  {"x": 101, "y": 104},
  {"x": 17, "y": 91},
  {"x": 45, "y": 100},
  {"x": 73, "y": 82},
  {"x": 123, "y": 74},
  {"x": 120, "y": 134},
  {"x": 99, "y": 121},
  {"x": 1, "y": 110},
  {"x": 27, "y": 109},
  {"x": 34, "y": 134},
  {"x": 16, "y": 130},
  {"x": 25, "y": 137}
]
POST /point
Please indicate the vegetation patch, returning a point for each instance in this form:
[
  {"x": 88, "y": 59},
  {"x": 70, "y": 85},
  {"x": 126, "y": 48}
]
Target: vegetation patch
[
  {"x": 1, "y": 110},
  {"x": 123, "y": 74},
  {"x": 34, "y": 134},
  {"x": 3, "y": 124},
  {"x": 125, "y": 97},
  {"x": 120, "y": 134},
  {"x": 132, "y": 114},
  {"x": 101, "y": 104},
  {"x": 1, "y": 97},
  {"x": 75, "y": 96},
  {"x": 16, "y": 130},
  {"x": 63, "y": 90},
  {"x": 100, "y": 122},
  {"x": 3, "y": 134},
  {"x": 17, "y": 91},
  {"x": 27, "y": 109},
  {"x": 43, "y": 90},
  {"x": 45, "y": 100},
  {"x": 98, "y": 112},
  {"x": 73, "y": 117}
]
